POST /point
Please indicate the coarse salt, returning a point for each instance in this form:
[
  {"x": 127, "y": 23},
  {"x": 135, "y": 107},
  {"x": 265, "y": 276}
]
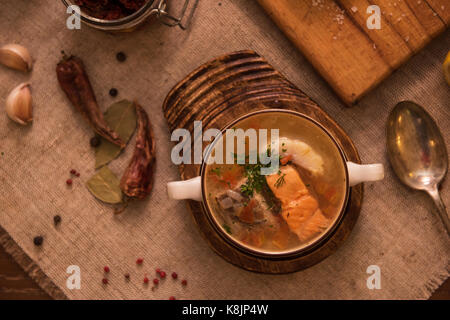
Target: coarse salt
[{"x": 340, "y": 18}]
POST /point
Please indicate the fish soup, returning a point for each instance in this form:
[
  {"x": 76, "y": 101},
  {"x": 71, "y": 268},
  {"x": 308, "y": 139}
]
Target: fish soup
[{"x": 289, "y": 208}]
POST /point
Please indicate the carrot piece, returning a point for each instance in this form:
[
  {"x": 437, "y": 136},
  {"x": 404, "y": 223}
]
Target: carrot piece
[
  {"x": 331, "y": 192},
  {"x": 257, "y": 238},
  {"x": 281, "y": 237},
  {"x": 254, "y": 238},
  {"x": 231, "y": 177},
  {"x": 246, "y": 215},
  {"x": 286, "y": 159}
]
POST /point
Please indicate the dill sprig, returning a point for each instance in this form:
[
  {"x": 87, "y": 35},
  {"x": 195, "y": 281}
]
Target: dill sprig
[{"x": 280, "y": 181}]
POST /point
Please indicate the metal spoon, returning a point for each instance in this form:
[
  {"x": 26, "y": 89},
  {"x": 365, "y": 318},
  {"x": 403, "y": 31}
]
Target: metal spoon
[{"x": 417, "y": 152}]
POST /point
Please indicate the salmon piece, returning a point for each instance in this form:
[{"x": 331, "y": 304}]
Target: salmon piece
[
  {"x": 313, "y": 226},
  {"x": 298, "y": 207},
  {"x": 291, "y": 189}
]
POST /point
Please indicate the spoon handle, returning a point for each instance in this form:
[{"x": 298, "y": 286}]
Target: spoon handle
[{"x": 434, "y": 193}]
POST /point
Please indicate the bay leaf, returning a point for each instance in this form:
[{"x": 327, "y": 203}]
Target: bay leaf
[
  {"x": 105, "y": 186},
  {"x": 121, "y": 117}
]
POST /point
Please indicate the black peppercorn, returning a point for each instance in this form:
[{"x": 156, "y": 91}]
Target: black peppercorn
[
  {"x": 121, "y": 57},
  {"x": 95, "y": 142},
  {"x": 113, "y": 92},
  {"x": 57, "y": 220},
  {"x": 38, "y": 240}
]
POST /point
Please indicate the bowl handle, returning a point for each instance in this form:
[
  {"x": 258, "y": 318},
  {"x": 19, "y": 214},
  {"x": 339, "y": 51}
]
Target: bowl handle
[
  {"x": 358, "y": 173},
  {"x": 186, "y": 189},
  {"x": 192, "y": 188}
]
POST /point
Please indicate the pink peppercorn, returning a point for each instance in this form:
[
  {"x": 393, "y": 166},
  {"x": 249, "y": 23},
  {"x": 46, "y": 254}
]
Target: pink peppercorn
[
  {"x": 69, "y": 182},
  {"x": 139, "y": 261},
  {"x": 106, "y": 269},
  {"x": 174, "y": 275},
  {"x": 146, "y": 280},
  {"x": 172, "y": 298},
  {"x": 105, "y": 281},
  {"x": 155, "y": 281},
  {"x": 77, "y": 174},
  {"x": 73, "y": 171},
  {"x": 184, "y": 282},
  {"x": 162, "y": 274}
]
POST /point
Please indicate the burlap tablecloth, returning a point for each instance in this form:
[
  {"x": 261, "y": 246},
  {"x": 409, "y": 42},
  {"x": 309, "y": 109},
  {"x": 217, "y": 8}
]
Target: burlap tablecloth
[{"x": 398, "y": 229}]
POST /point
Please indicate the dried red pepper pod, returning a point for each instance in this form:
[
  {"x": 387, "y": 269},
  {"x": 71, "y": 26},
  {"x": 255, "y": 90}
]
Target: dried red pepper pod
[
  {"x": 133, "y": 4},
  {"x": 75, "y": 83},
  {"x": 137, "y": 180}
]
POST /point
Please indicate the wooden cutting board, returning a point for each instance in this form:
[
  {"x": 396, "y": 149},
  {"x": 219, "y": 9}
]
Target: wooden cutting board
[
  {"x": 353, "y": 59},
  {"x": 221, "y": 91}
]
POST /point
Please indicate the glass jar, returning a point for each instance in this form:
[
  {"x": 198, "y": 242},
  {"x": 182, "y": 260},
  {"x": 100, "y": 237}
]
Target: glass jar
[{"x": 153, "y": 8}]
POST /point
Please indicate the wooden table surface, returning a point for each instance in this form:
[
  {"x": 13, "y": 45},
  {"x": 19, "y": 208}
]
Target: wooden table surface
[{"x": 15, "y": 284}]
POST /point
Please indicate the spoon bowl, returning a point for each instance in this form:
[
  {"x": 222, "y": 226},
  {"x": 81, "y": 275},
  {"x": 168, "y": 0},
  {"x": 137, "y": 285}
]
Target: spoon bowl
[{"x": 417, "y": 151}]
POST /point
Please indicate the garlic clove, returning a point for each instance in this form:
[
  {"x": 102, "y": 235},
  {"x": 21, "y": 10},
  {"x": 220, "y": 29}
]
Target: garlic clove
[
  {"x": 19, "y": 104},
  {"x": 16, "y": 57}
]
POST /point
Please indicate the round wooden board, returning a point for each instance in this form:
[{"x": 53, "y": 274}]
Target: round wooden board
[{"x": 231, "y": 86}]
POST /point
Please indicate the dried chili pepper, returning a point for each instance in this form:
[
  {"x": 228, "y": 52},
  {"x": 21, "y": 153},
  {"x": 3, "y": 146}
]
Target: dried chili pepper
[
  {"x": 110, "y": 9},
  {"x": 75, "y": 83},
  {"x": 137, "y": 181},
  {"x": 133, "y": 4}
]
